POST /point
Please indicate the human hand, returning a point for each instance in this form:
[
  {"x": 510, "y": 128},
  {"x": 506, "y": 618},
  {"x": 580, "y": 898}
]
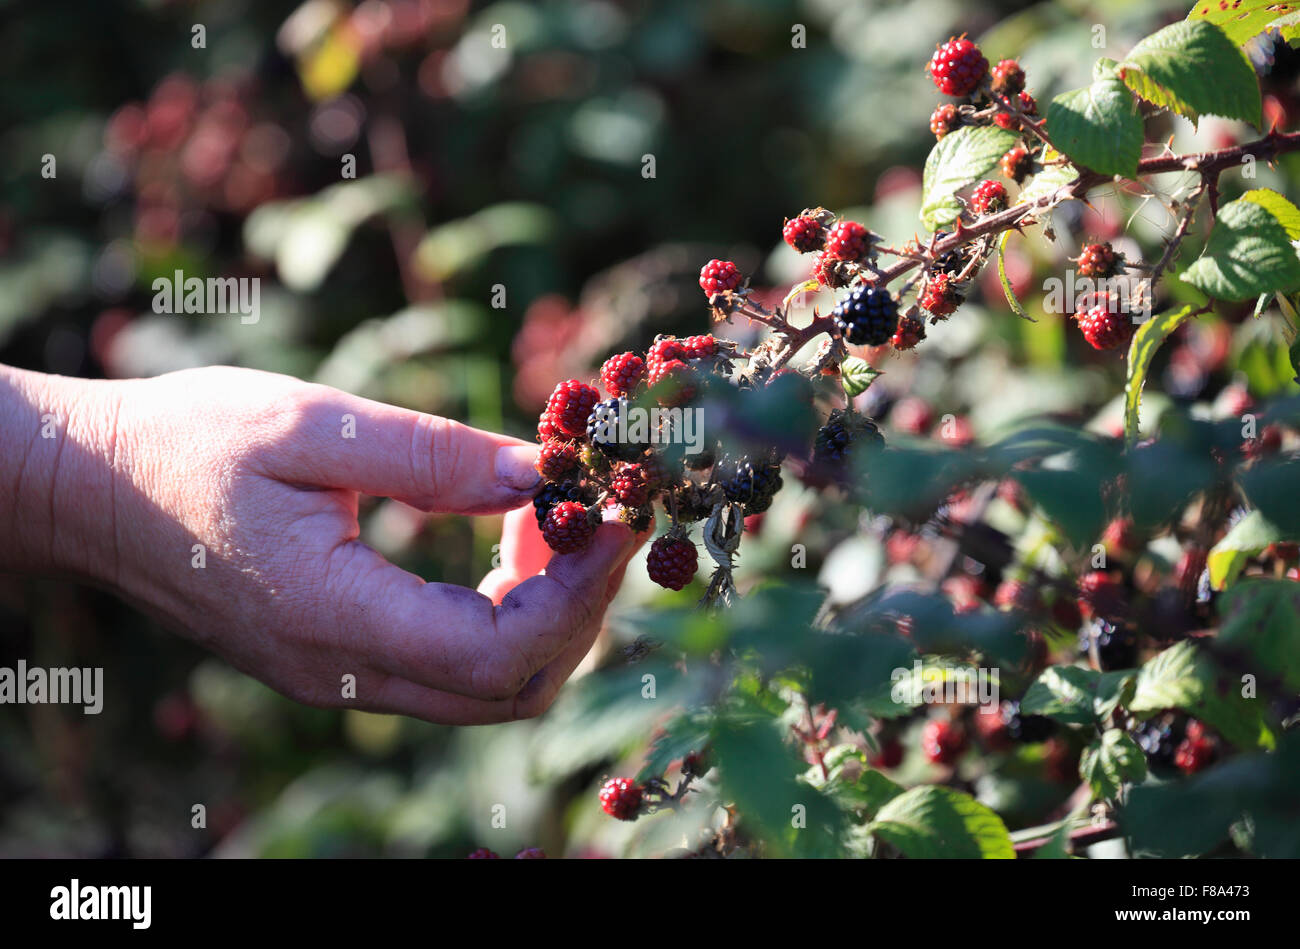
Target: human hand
[{"x": 255, "y": 468}]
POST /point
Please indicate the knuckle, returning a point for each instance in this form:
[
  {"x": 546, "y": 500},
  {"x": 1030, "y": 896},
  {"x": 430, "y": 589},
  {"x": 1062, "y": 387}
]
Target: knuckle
[{"x": 436, "y": 453}]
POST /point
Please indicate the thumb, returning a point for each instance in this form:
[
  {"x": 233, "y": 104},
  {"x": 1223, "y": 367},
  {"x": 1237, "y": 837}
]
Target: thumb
[{"x": 335, "y": 440}]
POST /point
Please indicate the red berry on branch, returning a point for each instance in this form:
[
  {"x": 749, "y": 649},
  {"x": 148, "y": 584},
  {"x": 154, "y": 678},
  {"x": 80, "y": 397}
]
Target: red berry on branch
[
  {"x": 958, "y": 67},
  {"x": 569, "y": 407},
  {"x": 1016, "y": 164},
  {"x": 1103, "y": 329},
  {"x": 622, "y": 373},
  {"x": 848, "y": 241},
  {"x": 672, "y": 561},
  {"x": 665, "y": 350},
  {"x": 719, "y": 276},
  {"x": 672, "y": 383},
  {"x": 1101, "y": 595},
  {"x": 940, "y": 297},
  {"x": 1098, "y": 260},
  {"x": 630, "y": 490},
  {"x": 1008, "y": 78},
  {"x": 621, "y": 798},
  {"x": 990, "y": 197},
  {"x": 942, "y": 741},
  {"x": 910, "y": 332},
  {"x": 805, "y": 234},
  {"x": 888, "y": 755},
  {"x": 700, "y": 347},
  {"x": 944, "y": 119},
  {"x": 557, "y": 460},
  {"x": 830, "y": 272},
  {"x": 567, "y": 528},
  {"x": 1194, "y": 754}
]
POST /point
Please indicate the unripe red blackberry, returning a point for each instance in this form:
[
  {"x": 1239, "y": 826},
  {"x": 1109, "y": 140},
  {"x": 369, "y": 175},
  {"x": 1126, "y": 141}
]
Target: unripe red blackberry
[
  {"x": 567, "y": 528},
  {"x": 672, "y": 561},
  {"x": 700, "y": 347},
  {"x": 531, "y": 853},
  {"x": 1103, "y": 329},
  {"x": 665, "y": 350},
  {"x": 1098, "y": 260},
  {"x": 621, "y": 798},
  {"x": 958, "y": 67},
  {"x": 1008, "y": 78},
  {"x": 629, "y": 490},
  {"x": 1194, "y": 754},
  {"x": 910, "y": 332},
  {"x": 1120, "y": 537},
  {"x": 942, "y": 741},
  {"x": 1016, "y": 164},
  {"x": 1101, "y": 595},
  {"x": 804, "y": 233},
  {"x": 848, "y": 241},
  {"x": 1017, "y": 595},
  {"x": 1187, "y": 575},
  {"x": 557, "y": 460},
  {"x": 888, "y": 755},
  {"x": 482, "y": 853},
  {"x": 621, "y": 374},
  {"x": 719, "y": 276},
  {"x": 569, "y": 407},
  {"x": 697, "y": 763},
  {"x": 673, "y": 383},
  {"x": 990, "y": 197},
  {"x": 830, "y": 272},
  {"x": 940, "y": 297},
  {"x": 944, "y": 119},
  {"x": 546, "y": 428}
]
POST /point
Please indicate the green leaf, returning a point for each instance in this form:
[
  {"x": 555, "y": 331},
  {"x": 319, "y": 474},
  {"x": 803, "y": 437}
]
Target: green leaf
[
  {"x": 1048, "y": 181},
  {"x": 851, "y": 782},
  {"x": 1243, "y": 20},
  {"x": 856, "y": 375},
  {"x": 1270, "y": 487},
  {"x": 1148, "y": 338},
  {"x": 1287, "y": 214},
  {"x": 1007, "y": 289},
  {"x": 1249, "y": 252},
  {"x": 1064, "y": 693},
  {"x": 958, "y": 160},
  {"x": 1184, "y": 677},
  {"x": 1111, "y": 762},
  {"x": 1098, "y": 127},
  {"x": 1193, "y": 68},
  {"x": 936, "y": 822},
  {"x": 1248, "y": 537},
  {"x": 1114, "y": 688},
  {"x": 1261, "y": 618},
  {"x": 682, "y": 735}
]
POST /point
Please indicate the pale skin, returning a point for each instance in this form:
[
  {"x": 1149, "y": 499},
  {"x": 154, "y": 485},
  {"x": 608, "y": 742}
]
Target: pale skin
[{"x": 115, "y": 482}]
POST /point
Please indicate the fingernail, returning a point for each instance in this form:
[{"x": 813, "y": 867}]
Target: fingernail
[{"x": 515, "y": 467}]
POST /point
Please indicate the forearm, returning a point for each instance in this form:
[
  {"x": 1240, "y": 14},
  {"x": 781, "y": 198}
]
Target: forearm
[{"x": 57, "y": 508}]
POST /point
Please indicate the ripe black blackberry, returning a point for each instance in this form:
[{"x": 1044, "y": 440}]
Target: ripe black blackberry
[
  {"x": 1159, "y": 741},
  {"x": 1026, "y": 728},
  {"x": 842, "y": 431},
  {"x": 553, "y": 494},
  {"x": 603, "y": 430},
  {"x": 868, "y": 316},
  {"x": 1117, "y": 646},
  {"x": 750, "y": 484}
]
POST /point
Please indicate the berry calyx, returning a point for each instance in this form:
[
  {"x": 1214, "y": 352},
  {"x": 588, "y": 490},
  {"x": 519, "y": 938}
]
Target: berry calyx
[
  {"x": 942, "y": 741},
  {"x": 804, "y": 233},
  {"x": 1016, "y": 164},
  {"x": 958, "y": 67},
  {"x": 1008, "y": 78},
  {"x": 672, "y": 561},
  {"x": 569, "y": 407},
  {"x": 621, "y": 374},
  {"x": 830, "y": 272},
  {"x": 944, "y": 119},
  {"x": 719, "y": 276},
  {"x": 867, "y": 317},
  {"x": 557, "y": 460},
  {"x": 620, "y": 798},
  {"x": 1098, "y": 260},
  {"x": 989, "y": 197},
  {"x": 567, "y": 528},
  {"x": 848, "y": 241},
  {"x": 1103, "y": 329},
  {"x": 940, "y": 297}
]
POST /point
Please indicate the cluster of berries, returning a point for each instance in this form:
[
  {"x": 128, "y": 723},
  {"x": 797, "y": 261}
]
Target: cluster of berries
[{"x": 1169, "y": 743}]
